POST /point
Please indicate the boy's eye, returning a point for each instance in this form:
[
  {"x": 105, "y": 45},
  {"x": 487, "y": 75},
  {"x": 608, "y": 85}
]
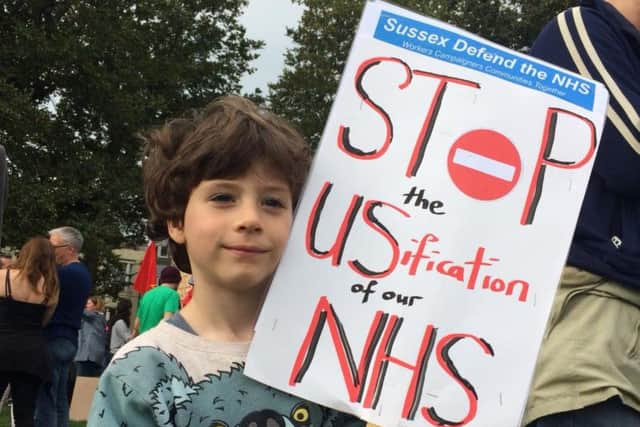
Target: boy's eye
[
  {"x": 221, "y": 198},
  {"x": 273, "y": 202}
]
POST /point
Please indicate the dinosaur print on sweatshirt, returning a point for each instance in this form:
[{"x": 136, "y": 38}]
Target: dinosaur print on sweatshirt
[{"x": 147, "y": 386}]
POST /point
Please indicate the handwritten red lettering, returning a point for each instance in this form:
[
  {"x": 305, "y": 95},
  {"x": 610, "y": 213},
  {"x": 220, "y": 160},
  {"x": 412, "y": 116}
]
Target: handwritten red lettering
[
  {"x": 446, "y": 363},
  {"x": 432, "y": 114},
  {"x": 354, "y": 378},
  {"x": 428, "y": 124},
  {"x": 544, "y": 160},
  {"x": 419, "y": 260},
  {"x": 344, "y": 142},
  {"x": 373, "y": 222},
  {"x": 341, "y": 239},
  {"x": 376, "y": 356}
]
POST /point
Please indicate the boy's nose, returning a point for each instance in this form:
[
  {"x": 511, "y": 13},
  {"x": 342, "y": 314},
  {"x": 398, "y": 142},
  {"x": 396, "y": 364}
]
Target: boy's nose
[{"x": 249, "y": 218}]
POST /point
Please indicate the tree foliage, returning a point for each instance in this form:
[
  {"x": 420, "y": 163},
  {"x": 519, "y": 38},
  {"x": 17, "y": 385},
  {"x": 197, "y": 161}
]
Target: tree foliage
[
  {"x": 79, "y": 79},
  {"x": 305, "y": 90}
]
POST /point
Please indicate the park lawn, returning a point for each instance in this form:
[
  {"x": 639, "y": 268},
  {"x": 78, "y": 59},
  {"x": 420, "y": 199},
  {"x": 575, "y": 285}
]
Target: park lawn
[{"x": 4, "y": 420}]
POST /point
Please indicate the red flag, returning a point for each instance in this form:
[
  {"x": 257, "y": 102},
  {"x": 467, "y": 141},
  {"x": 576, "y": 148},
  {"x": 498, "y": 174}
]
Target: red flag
[{"x": 147, "y": 273}]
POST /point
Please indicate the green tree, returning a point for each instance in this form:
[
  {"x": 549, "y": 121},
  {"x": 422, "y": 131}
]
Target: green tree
[
  {"x": 305, "y": 90},
  {"x": 79, "y": 79}
]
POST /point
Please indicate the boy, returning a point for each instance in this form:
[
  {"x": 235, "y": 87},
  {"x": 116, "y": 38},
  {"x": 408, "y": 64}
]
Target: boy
[{"x": 221, "y": 186}]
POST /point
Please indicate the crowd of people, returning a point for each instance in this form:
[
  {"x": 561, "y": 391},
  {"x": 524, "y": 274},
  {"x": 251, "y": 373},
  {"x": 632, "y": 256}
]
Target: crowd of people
[
  {"x": 28, "y": 299},
  {"x": 52, "y": 329},
  {"x": 221, "y": 185}
]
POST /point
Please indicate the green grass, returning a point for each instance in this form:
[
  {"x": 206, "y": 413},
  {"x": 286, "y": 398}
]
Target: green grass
[{"x": 5, "y": 421}]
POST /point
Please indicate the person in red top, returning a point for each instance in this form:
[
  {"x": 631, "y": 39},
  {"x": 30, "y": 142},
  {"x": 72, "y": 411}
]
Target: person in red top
[{"x": 187, "y": 294}]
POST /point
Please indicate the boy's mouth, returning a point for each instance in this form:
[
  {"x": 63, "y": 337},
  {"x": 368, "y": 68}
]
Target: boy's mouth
[{"x": 245, "y": 249}]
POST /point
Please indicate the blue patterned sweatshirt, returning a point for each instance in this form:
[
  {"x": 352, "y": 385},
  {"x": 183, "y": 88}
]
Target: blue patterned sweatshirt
[{"x": 168, "y": 376}]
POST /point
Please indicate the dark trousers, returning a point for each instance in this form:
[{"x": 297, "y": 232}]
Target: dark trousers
[
  {"x": 52, "y": 407},
  {"x": 24, "y": 390},
  {"x": 610, "y": 413},
  {"x": 71, "y": 382},
  {"x": 88, "y": 369}
]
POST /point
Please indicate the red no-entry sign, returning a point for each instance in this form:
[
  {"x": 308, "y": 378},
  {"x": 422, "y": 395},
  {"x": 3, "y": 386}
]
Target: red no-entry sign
[{"x": 484, "y": 164}]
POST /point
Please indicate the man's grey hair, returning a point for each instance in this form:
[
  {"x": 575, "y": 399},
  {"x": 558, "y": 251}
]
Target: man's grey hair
[{"x": 69, "y": 235}]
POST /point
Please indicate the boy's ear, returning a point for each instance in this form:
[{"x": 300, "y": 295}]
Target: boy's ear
[{"x": 176, "y": 231}]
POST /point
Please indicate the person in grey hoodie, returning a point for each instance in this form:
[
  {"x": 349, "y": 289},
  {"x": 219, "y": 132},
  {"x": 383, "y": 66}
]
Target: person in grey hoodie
[
  {"x": 92, "y": 341},
  {"x": 119, "y": 327}
]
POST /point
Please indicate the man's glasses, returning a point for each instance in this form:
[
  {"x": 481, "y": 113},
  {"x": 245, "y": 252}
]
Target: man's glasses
[{"x": 60, "y": 246}]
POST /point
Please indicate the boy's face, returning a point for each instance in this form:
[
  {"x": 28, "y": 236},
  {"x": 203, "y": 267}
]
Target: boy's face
[{"x": 235, "y": 230}]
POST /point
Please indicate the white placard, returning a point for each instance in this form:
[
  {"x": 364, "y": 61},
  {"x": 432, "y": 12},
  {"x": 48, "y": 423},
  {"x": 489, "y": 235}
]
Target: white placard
[{"x": 433, "y": 229}]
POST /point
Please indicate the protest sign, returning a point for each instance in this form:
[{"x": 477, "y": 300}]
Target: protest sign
[{"x": 433, "y": 229}]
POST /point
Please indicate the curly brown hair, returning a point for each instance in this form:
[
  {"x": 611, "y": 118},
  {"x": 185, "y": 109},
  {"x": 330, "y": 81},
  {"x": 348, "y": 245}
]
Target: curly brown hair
[
  {"x": 224, "y": 140},
  {"x": 37, "y": 260}
]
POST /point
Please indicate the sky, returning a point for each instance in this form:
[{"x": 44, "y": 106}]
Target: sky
[{"x": 267, "y": 20}]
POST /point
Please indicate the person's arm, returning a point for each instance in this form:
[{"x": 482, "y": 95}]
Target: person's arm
[
  {"x": 136, "y": 327},
  {"x": 171, "y": 306},
  {"x": 51, "y": 308},
  {"x": 618, "y": 159},
  {"x": 48, "y": 313},
  {"x": 90, "y": 316}
]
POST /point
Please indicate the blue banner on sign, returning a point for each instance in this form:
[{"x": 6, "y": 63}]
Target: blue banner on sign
[{"x": 471, "y": 53}]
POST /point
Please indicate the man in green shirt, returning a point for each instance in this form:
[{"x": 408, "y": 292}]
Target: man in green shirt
[{"x": 160, "y": 302}]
